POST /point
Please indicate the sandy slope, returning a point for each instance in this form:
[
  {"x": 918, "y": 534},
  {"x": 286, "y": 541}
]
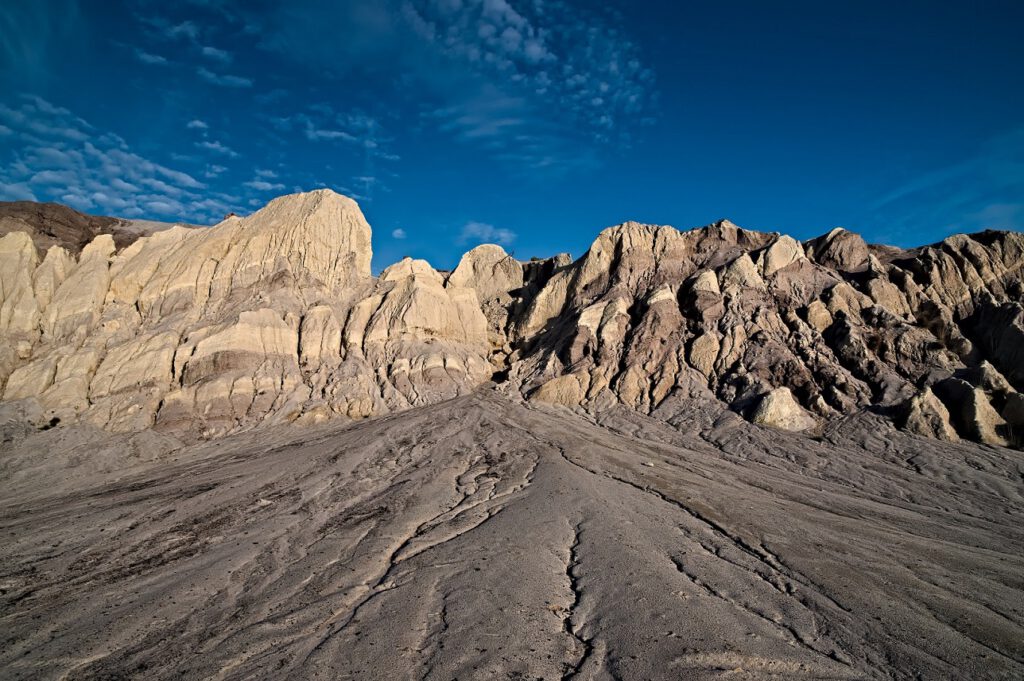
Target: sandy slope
[{"x": 478, "y": 538}]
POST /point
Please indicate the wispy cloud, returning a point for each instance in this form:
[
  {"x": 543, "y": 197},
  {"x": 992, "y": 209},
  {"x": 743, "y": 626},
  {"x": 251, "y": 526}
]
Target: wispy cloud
[
  {"x": 263, "y": 185},
  {"x": 196, "y": 124},
  {"x": 217, "y": 147},
  {"x": 361, "y": 132},
  {"x": 59, "y": 156},
  {"x": 223, "y": 56},
  {"x": 965, "y": 196},
  {"x": 149, "y": 58},
  {"x": 481, "y": 232},
  {"x": 542, "y": 85},
  {"x": 42, "y": 119},
  {"x": 30, "y": 32},
  {"x": 185, "y": 29},
  {"x": 398, "y": 233},
  {"x": 224, "y": 80}
]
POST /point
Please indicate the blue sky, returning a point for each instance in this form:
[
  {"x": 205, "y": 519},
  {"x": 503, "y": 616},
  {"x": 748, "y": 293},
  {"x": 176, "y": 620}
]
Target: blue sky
[{"x": 532, "y": 123}]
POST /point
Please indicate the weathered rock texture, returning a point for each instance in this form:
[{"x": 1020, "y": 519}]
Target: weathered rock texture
[
  {"x": 785, "y": 334},
  {"x": 51, "y": 224},
  {"x": 271, "y": 317},
  {"x": 276, "y": 317},
  {"x": 481, "y": 539}
]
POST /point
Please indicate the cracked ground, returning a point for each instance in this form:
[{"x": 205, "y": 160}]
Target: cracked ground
[{"x": 484, "y": 539}]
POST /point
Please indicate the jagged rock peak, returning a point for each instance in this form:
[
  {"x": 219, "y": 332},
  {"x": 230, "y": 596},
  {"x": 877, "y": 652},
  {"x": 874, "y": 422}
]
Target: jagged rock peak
[
  {"x": 322, "y": 225},
  {"x": 276, "y": 316},
  {"x": 841, "y": 250}
]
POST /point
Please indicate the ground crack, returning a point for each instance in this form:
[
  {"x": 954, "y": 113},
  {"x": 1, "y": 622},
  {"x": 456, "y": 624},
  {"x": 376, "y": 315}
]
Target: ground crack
[{"x": 572, "y": 572}]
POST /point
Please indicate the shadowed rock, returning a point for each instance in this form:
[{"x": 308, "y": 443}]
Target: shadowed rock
[{"x": 276, "y": 317}]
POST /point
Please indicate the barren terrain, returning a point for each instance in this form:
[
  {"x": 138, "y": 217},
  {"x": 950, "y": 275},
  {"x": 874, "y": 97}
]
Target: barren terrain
[{"x": 482, "y": 537}]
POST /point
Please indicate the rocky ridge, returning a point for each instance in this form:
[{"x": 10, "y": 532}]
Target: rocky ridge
[{"x": 276, "y": 317}]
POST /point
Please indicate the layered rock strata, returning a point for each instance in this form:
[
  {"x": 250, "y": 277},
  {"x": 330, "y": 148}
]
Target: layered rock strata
[{"x": 277, "y": 317}]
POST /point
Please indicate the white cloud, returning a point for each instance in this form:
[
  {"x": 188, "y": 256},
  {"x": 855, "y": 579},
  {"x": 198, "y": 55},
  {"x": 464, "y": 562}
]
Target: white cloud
[
  {"x": 264, "y": 173},
  {"x": 149, "y": 58},
  {"x": 263, "y": 185},
  {"x": 398, "y": 233},
  {"x": 217, "y": 147},
  {"x": 185, "y": 29},
  {"x": 16, "y": 191},
  {"x": 216, "y": 54},
  {"x": 546, "y": 86},
  {"x": 197, "y": 124},
  {"x": 481, "y": 232},
  {"x": 42, "y": 119},
  {"x": 224, "y": 80},
  {"x": 967, "y": 196},
  {"x": 94, "y": 170}
]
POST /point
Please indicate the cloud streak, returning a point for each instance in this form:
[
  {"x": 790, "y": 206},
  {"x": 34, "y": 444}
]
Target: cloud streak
[
  {"x": 542, "y": 85},
  {"x": 482, "y": 232},
  {"x": 967, "y": 196},
  {"x": 150, "y": 58},
  {"x": 62, "y": 157},
  {"x": 224, "y": 80}
]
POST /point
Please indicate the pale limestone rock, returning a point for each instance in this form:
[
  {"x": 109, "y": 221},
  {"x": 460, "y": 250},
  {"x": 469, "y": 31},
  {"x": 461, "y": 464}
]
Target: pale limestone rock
[
  {"x": 275, "y": 317},
  {"x": 741, "y": 273},
  {"x": 844, "y": 298},
  {"x": 779, "y": 409},
  {"x": 418, "y": 305},
  {"x": 31, "y": 379},
  {"x": 568, "y": 390},
  {"x": 69, "y": 393},
  {"x": 984, "y": 422},
  {"x": 706, "y": 281},
  {"x": 664, "y": 294},
  {"x": 50, "y": 274},
  {"x": 927, "y": 415},
  {"x": 818, "y": 316},
  {"x": 78, "y": 302},
  {"x": 146, "y": 362},
  {"x": 355, "y": 327},
  {"x": 255, "y": 337},
  {"x": 783, "y": 252},
  {"x": 972, "y": 413},
  {"x": 488, "y": 270},
  {"x": 320, "y": 337},
  {"x": 887, "y": 295},
  {"x": 840, "y": 250},
  {"x": 704, "y": 352},
  {"x": 19, "y": 309}
]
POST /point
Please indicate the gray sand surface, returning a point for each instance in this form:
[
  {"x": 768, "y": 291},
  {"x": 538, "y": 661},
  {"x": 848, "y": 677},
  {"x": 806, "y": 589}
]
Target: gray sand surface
[{"x": 479, "y": 538}]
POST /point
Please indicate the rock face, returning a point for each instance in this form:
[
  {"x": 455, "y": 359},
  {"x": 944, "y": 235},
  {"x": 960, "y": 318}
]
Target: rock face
[
  {"x": 276, "y": 317},
  {"x": 778, "y": 409},
  {"x": 654, "y": 319},
  {"x": 51, "y": 224},
  {"x": 270, "y": 317}
]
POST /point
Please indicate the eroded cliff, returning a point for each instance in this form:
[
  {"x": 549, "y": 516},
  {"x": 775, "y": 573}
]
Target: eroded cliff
[{"x": 276, "y": 317}]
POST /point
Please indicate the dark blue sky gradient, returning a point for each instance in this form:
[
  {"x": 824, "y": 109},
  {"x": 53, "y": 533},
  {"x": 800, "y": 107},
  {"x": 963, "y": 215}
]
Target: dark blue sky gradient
[{"x": 535, "y": 123}]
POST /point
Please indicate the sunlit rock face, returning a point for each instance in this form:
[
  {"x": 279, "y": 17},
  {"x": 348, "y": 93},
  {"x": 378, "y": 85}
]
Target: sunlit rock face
[
  {"x": 276, "y": 317},
  {"x": 270, "y": 317}
]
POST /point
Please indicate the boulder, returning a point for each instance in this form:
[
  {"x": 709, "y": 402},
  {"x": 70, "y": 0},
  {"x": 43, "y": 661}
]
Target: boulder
[{"x": 779, "y": 409}]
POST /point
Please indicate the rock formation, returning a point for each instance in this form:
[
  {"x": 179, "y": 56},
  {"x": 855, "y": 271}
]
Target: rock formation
[
  {"x": 51, "y": 224},
  {"x": 276, "y": 317}
]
